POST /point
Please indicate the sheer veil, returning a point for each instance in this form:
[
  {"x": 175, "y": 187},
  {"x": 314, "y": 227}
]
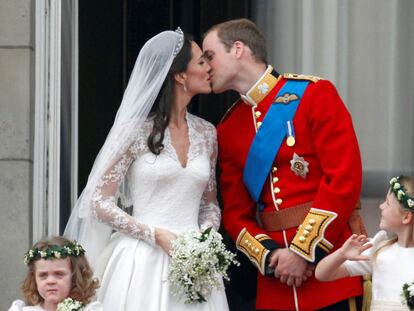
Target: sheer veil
[{"x": 150, "y": 70}]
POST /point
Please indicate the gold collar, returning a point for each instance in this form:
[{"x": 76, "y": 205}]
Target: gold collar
[{"x": 261, "y": 88}]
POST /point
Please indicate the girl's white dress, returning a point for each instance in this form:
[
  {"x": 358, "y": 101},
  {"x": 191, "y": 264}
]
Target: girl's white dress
[
  {"x": 133, "y": 270},
  {"x": 19, "y": 305},
  {"x": 392, "y": 268}
]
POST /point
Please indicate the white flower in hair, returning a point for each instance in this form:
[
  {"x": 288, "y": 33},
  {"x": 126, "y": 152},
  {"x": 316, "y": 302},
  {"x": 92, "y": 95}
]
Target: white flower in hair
[
  {"x": 43, "y": 254},
  {"x": 400, "y": 194},
  {"x": 410, "y": 203},
  {"x": 397, "y": 186},
  {"x": 393, "y": 180}
]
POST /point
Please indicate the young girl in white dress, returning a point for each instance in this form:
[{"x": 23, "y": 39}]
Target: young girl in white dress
[
  {"x": 163, "y": 164},
  {"x": 58, "y": 269},
  {"x": 388, "y": 257}
]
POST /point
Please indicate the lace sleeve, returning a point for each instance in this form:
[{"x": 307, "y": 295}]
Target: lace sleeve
[
  {"x": 210, "y": 214},
  {"x": 104, "y": 207}
]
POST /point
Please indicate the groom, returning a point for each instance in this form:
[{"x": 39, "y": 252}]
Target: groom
[{"x": 291, "y": 171}]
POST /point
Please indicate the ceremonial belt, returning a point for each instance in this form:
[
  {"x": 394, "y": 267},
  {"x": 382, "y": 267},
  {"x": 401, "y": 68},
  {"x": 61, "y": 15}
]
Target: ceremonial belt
[
  {"x": 294, "y": 216},
  {"x": 269, "y": 137},
  {"x": 290, "y": 217}
]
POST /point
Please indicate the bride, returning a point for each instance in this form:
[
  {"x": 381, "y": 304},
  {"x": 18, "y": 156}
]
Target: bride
[{"x": 161, "y": 160}]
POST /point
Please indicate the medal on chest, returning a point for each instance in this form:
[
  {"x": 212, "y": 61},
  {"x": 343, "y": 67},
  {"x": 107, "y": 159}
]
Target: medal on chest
[{"x": 299, "y": 166}]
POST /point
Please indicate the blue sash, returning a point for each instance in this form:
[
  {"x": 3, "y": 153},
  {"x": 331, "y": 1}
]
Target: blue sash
[{"x": 269, "y": 137}]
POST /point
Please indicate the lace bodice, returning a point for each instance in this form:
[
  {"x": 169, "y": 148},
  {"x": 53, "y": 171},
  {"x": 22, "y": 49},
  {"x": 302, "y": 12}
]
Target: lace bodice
[{"x": 164, "y": 193}]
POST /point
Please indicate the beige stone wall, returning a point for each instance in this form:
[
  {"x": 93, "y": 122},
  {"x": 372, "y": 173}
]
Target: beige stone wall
[{"x": 16, "y": 140}]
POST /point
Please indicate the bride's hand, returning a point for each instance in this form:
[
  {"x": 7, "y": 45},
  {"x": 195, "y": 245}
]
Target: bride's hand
[{"x": 163, "y": 238}]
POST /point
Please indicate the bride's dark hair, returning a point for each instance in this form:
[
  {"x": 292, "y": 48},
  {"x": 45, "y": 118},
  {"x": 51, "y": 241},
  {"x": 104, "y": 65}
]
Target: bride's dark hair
[{"x": 160, "y": 113}]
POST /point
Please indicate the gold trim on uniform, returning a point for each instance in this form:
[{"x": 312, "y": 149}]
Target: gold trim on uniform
[
  {"x": 228, "y": 111},
  {"x": 311, "y": 234},
  {"x": 325, "y": 246},
  {"x": 261, "y": 88},
  {"x": 252, "y": 248},
  {"x": 295, "y": 76},
  {"x": 261, "y": 237}
]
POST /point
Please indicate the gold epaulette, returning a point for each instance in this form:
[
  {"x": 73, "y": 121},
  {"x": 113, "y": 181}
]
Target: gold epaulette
[
  {"x": 227, "y": 113},
  {"x": 295, "y": 76},
  {"x": 253, "y": 249},
  {"x": 311, "y": 233}
]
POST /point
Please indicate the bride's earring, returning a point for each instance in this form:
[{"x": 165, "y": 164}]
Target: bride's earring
[{"x": 185, "y": 87}]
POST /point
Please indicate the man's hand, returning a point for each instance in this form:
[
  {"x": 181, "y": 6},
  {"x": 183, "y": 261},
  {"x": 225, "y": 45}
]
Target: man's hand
[{"x": 289, "y": 267}]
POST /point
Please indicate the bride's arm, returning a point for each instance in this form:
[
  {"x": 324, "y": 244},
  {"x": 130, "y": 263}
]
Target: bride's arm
[
  {"x": 210, "y": 214},
  {"x": 104, "y": 206}
]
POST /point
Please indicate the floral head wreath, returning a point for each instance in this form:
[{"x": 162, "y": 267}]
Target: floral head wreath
[
  {"x": 401, "y": 193},
  {"x": 54, "y": 252}
]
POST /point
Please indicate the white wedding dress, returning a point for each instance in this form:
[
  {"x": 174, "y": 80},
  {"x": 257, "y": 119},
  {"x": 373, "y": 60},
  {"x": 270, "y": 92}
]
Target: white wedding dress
[
  {"x": 133, "y": 270},
  {"x": 19, "y": 305}
]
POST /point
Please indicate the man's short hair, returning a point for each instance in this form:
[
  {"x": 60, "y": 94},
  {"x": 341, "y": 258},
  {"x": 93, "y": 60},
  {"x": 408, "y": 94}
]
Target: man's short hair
[{"x": 243, "y": 30}]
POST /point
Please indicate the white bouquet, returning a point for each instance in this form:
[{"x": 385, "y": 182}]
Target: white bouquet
[
  {"x": 70, "y": 304},
  {"x": 408, "y": 295},
  {"x": 199, "y": 260}
]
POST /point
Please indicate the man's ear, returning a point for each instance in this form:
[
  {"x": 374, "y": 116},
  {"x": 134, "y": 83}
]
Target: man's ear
[
  {"x": 239, "y": 48},
  {"x": 407, "y": 217},
  {"x": 180, "y": 77}
]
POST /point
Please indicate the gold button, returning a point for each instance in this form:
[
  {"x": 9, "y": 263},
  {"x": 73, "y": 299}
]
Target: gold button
[
  {"x": 276, "y": 190},
  {"x": 312, "y": 221},
  {"x": 257, "y": 251},
  {"x": 305, "y": 233},
  {"x": 302, "y": 239},
  {"x": 274, "y": 169},
  {"x": 308, "y": 227},
  {"x": 246, "y": 241},
  {"x": 257, "y": 114},
  {"x": 259, "y": 124},
  {"x": 279, "y": 201}
]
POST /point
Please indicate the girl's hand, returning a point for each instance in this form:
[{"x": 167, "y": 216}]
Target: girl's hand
[
  {"x": 163, "y": 238},
  {"x": 354, "y": 246}
]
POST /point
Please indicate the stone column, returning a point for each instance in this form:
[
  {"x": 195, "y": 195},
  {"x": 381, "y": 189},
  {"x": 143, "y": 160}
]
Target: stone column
[{"x": 16, "y": 141}]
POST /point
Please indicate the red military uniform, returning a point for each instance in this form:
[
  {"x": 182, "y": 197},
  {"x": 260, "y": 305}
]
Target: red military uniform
[{"x": 328, "y": 175}]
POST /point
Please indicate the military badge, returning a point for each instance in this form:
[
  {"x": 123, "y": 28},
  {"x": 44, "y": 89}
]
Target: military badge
[
  {"x": 263, "y": 88},
  {"x": 285, "y": 99},
  {"x": 299, "y": 166}
]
